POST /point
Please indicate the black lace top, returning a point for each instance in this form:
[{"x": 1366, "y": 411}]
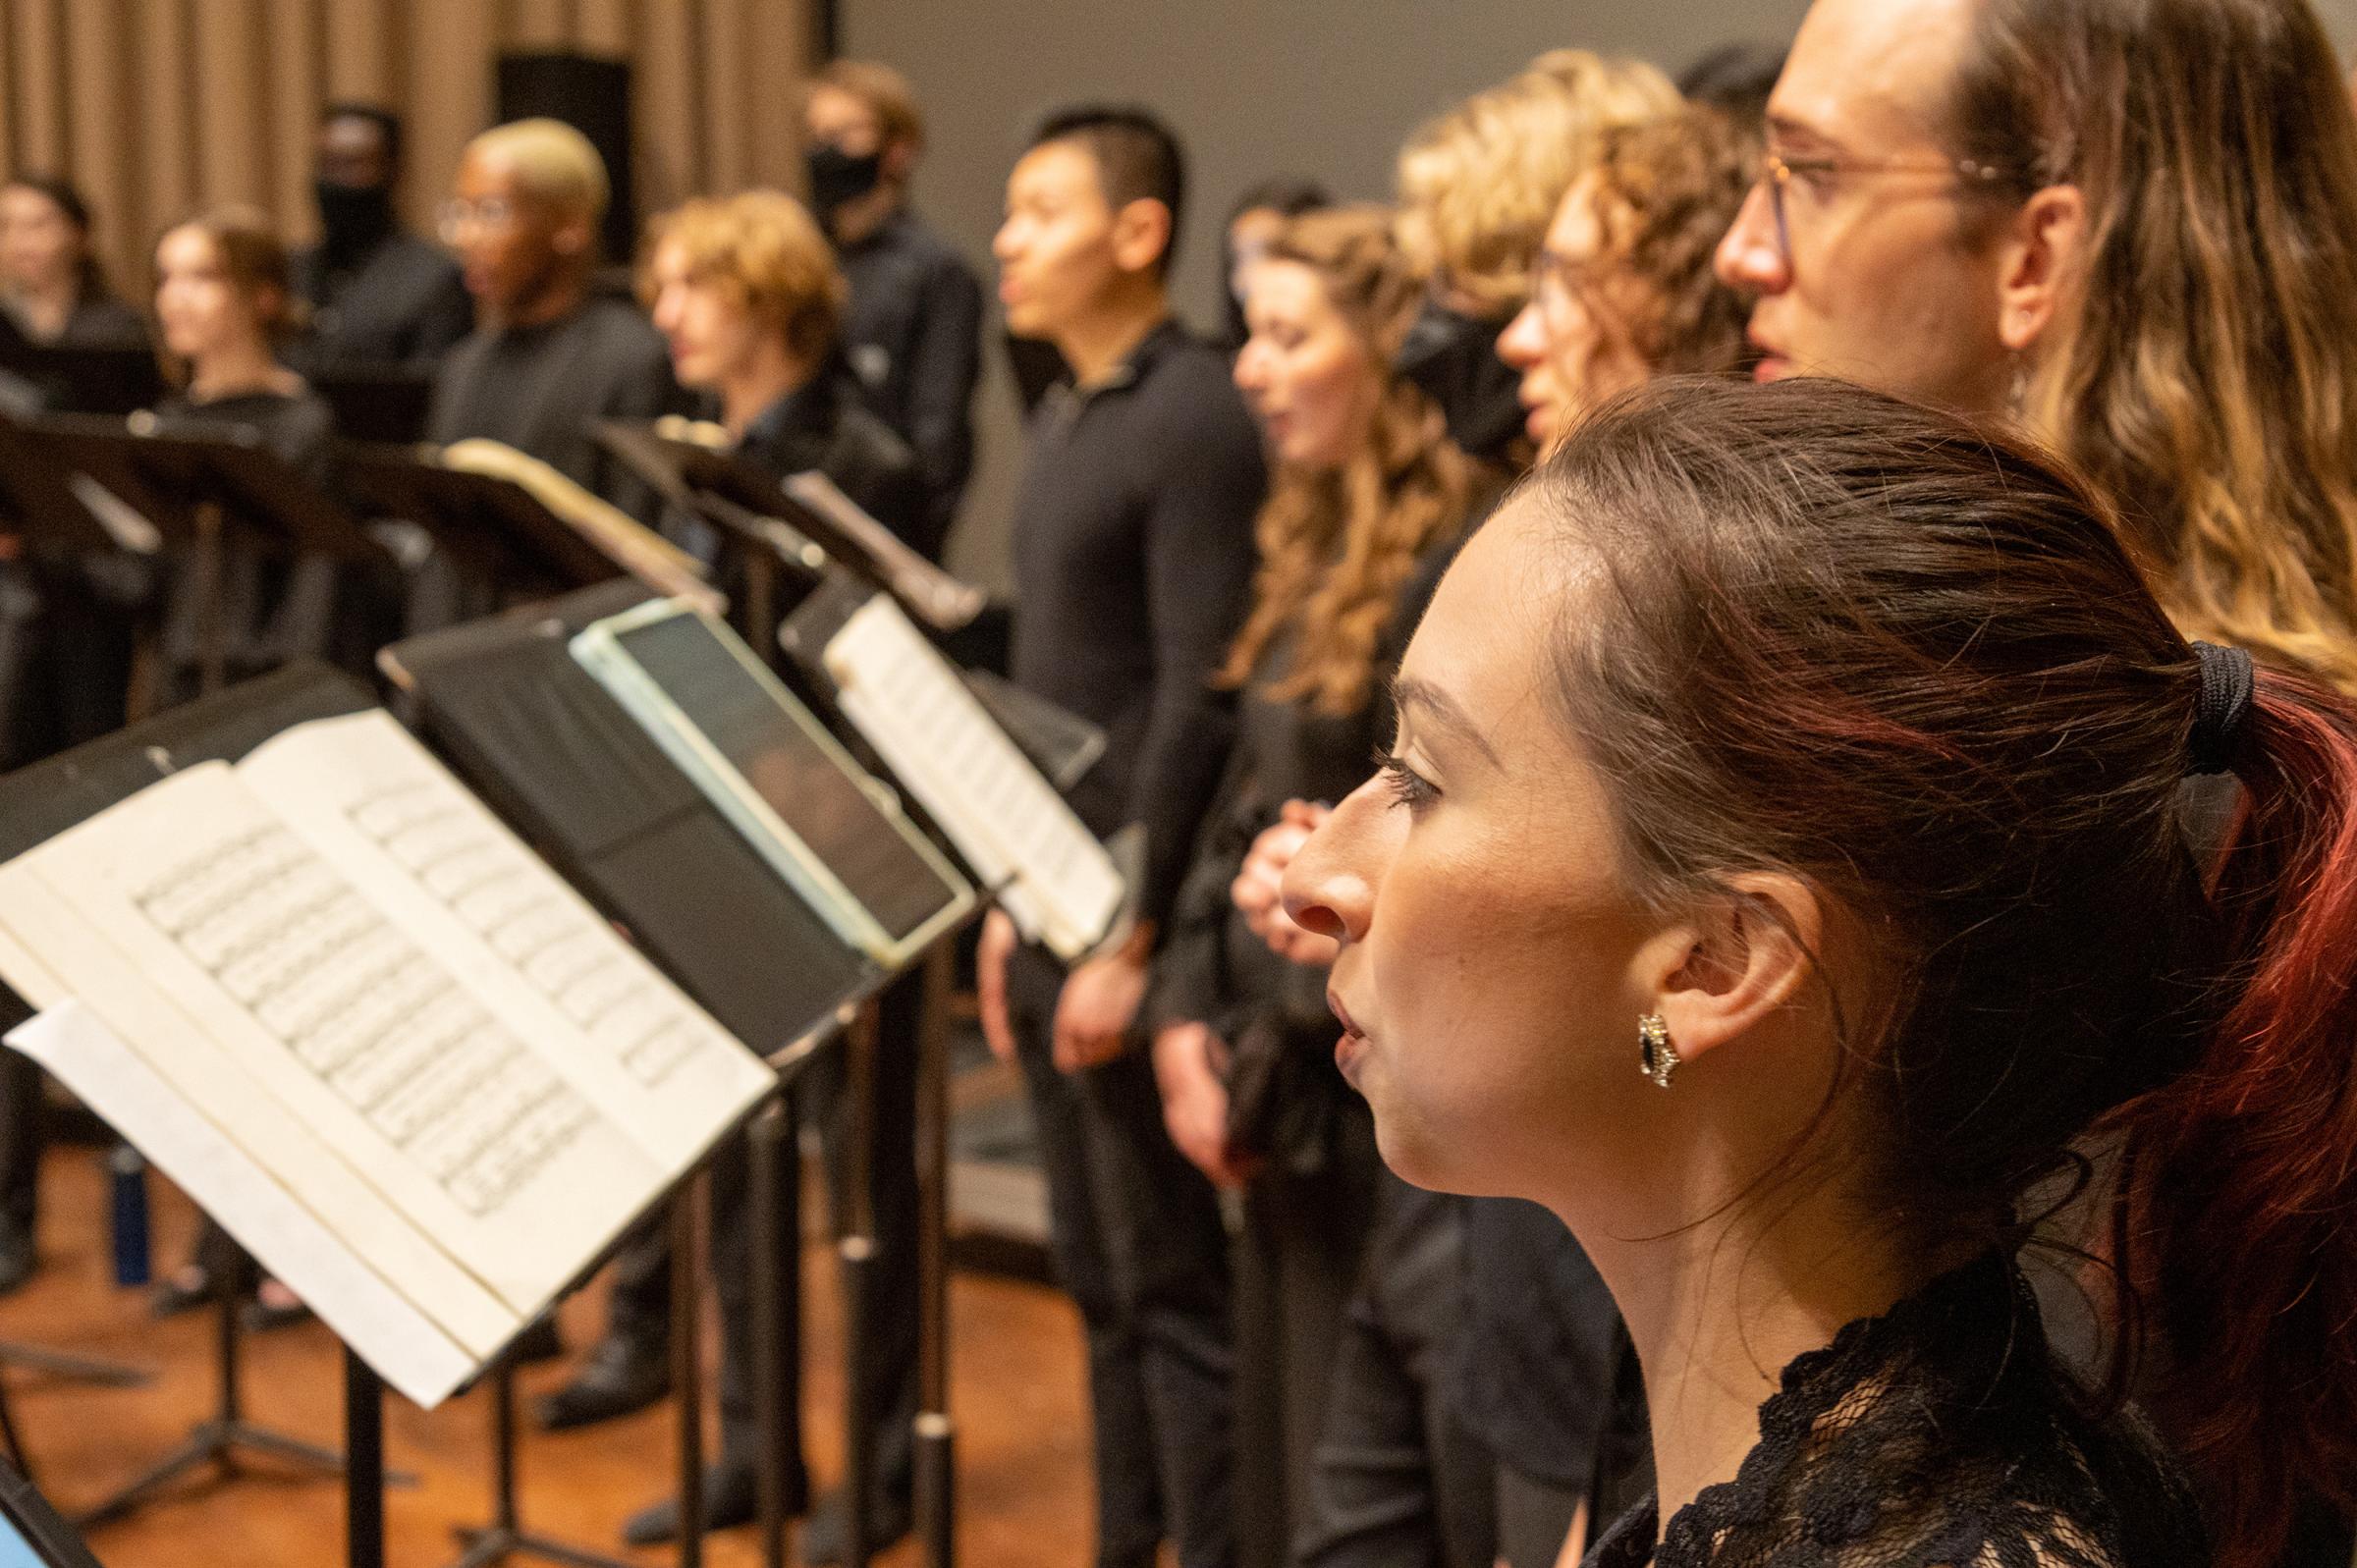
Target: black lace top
[{"x": 1940, "y": 1436}]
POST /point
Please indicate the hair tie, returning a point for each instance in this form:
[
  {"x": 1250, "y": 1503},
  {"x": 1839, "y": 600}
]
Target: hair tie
[{"x": 2219, "y": 715}]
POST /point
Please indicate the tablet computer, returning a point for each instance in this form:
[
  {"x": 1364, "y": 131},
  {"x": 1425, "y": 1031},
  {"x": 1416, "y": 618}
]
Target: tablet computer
[{"x": 772, "y": 769}]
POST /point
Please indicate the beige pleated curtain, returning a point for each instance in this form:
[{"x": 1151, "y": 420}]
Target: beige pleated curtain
[{"x": 159, "y": 108}]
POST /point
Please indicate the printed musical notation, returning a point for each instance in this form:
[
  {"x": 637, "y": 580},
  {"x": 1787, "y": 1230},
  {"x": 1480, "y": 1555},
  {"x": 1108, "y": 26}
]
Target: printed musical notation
[
  {"x": 505, "y": 897},
  {"x": 1005, "y": 817},
  {"x": 367, "y": 1013}
]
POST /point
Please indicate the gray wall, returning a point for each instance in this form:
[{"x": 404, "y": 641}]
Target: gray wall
[{"x": 1321, "y": 88}]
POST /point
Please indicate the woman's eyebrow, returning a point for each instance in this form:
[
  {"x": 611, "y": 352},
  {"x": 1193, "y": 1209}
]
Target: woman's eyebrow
[{"x": 1442, "y": 712}]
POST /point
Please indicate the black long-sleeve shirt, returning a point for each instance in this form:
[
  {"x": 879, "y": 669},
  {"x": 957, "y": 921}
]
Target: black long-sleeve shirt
[
  {"x": 541, "y": 389},
  {"x": 1133, "y": 557},
  {"x": 913, "y": 335},
  {"x": 400, "y": 303}
]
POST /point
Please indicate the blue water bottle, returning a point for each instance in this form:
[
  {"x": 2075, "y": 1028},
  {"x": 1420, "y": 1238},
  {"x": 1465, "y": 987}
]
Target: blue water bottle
[{"x": 127, "y": 1176}]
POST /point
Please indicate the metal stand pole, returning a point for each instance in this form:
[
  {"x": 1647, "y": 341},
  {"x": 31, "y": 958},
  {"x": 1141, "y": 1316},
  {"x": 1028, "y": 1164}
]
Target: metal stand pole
[
  {"x": 213, "y": 639},
  {"x": 365, "y": 1465},
  {"x": 688, "y": 1363},
  {"x": 775, "y": 1212},
  {"x": 936, "y": 1435},
  {"x": 219, "y": 1440},
  {"x": 504, "y": 1537},
  {"x": 856, "y": 1251}
]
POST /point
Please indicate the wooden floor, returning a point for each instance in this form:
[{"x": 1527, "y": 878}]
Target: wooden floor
[{"x": 1018, "y": 1397}]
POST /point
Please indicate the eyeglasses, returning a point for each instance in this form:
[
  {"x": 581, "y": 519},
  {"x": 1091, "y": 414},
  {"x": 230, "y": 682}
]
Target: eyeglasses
[
  {"x": 489, "y": 213},
  {"x": 1807, "y": 182},
  {"x": 1556, "y": 280}
]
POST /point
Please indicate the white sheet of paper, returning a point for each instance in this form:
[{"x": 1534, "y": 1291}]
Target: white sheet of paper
[
  {"x": 405, "y": 1346},
  {"x": 246, "y": 1113},
  {"x": 1001, "y": 814},
  {"x": 346, "y": 1020},
  {"x": 376, "y": 803}
]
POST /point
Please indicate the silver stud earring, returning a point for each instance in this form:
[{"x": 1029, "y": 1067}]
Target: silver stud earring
[{"x": 1657, "y": 1057}]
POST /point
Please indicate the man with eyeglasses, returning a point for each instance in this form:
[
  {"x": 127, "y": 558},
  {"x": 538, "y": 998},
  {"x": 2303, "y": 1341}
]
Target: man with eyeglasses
[
  {"x": 1877, "y": 251},
  {"x": 547, "y": 359}
]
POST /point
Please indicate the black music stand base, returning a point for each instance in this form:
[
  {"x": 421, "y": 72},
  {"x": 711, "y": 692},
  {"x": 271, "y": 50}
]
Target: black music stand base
[
  {"x": 212, "y": 1443},
  {"x": 504, "y": 1537},
  {"x": 56, "y": 1364},
  {"x": 81, "y": 1369},
  {"x": 218, "y": 1442}
]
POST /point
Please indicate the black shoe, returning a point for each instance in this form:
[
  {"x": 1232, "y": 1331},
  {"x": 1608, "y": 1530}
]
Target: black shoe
[
  {"x": 827, "y": 1533},
  {"x": 731, "y": 1497},
  {"x": 16, "y": 1257},
  {"x": 619, "y": 1375}
]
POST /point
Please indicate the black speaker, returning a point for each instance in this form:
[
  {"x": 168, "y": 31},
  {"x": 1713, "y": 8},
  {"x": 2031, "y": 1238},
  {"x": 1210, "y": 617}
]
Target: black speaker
[{"x": 593, "y": 96}]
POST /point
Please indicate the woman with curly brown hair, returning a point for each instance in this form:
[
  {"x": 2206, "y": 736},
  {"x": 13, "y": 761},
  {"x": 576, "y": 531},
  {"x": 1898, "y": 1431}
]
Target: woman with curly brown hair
[
  {"x": 1369, "y": 493},
  {"x": 1622, "y": 290}
]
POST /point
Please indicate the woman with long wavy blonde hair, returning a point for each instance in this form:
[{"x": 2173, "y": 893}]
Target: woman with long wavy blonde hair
[{"x": 1368, "y": 495}]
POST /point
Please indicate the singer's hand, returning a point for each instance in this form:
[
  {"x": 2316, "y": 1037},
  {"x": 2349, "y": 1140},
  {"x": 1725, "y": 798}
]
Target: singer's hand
[
  {"x": 1099, "y": 1003},
  {"x": 991, "y": 952},
  {"x": 1259, "y": 887},
  {"x": 1188, "y": 1061}
]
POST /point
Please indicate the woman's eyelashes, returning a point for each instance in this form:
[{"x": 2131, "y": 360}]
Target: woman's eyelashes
[{"x": 1407, "y": 786}]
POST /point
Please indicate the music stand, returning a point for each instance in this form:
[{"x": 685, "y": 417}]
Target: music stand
[
  {"x": 45, "y": 799},
  {"x": 114, "y": 378},
  {"x": 803, "y": 523},
  {"x": 36, "y": 497},
  {"x": 546, "y": 747},
  {"x": 495, "y": 531},
  {"x": 198, "y": 487},
  {"x": 383, "y": 404}
]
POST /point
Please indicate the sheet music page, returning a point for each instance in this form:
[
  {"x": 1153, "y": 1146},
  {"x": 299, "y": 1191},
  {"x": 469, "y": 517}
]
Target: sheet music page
[
  {"x": 207, "y": 919},
  {"x": 1004, "y": 817},
  {"x": 365, "y": 794},
  {"x": 177, "y": 1046},
  {"x": 407, "y": 1349}
]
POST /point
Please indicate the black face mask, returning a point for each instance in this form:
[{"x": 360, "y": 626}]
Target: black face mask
[
  {"x": 1454, "y": 359},
  {"x": 837, "y": 177},
  {"x": 352, "y": 217}
]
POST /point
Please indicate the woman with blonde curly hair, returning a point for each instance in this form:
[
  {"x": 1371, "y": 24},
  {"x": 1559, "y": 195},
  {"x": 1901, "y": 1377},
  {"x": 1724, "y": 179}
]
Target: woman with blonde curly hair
[
  {"x": 1368, "y": 495},
  {"x": 1477, "y": 188}
]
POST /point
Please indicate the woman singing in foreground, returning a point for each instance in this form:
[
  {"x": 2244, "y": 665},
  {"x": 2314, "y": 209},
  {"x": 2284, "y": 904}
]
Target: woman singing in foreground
[{"x": 1822, "y": 760}]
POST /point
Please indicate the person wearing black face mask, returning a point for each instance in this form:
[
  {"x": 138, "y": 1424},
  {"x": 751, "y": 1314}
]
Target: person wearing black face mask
[
  {"x": 914, "y": 329},
  {"x": 381, "y": 297},
  {"x": 1453, "y": 358}
]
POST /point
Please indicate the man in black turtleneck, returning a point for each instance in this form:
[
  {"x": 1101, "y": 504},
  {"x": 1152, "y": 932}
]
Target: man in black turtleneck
[{"x": 381, "y": 297}]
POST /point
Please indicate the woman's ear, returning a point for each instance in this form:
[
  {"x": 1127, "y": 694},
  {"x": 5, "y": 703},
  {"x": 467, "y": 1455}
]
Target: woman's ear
[{"x": 1740, "y": 957}]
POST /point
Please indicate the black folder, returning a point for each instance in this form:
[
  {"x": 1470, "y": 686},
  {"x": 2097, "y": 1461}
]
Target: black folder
[{"x": 540, "y": 740}]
